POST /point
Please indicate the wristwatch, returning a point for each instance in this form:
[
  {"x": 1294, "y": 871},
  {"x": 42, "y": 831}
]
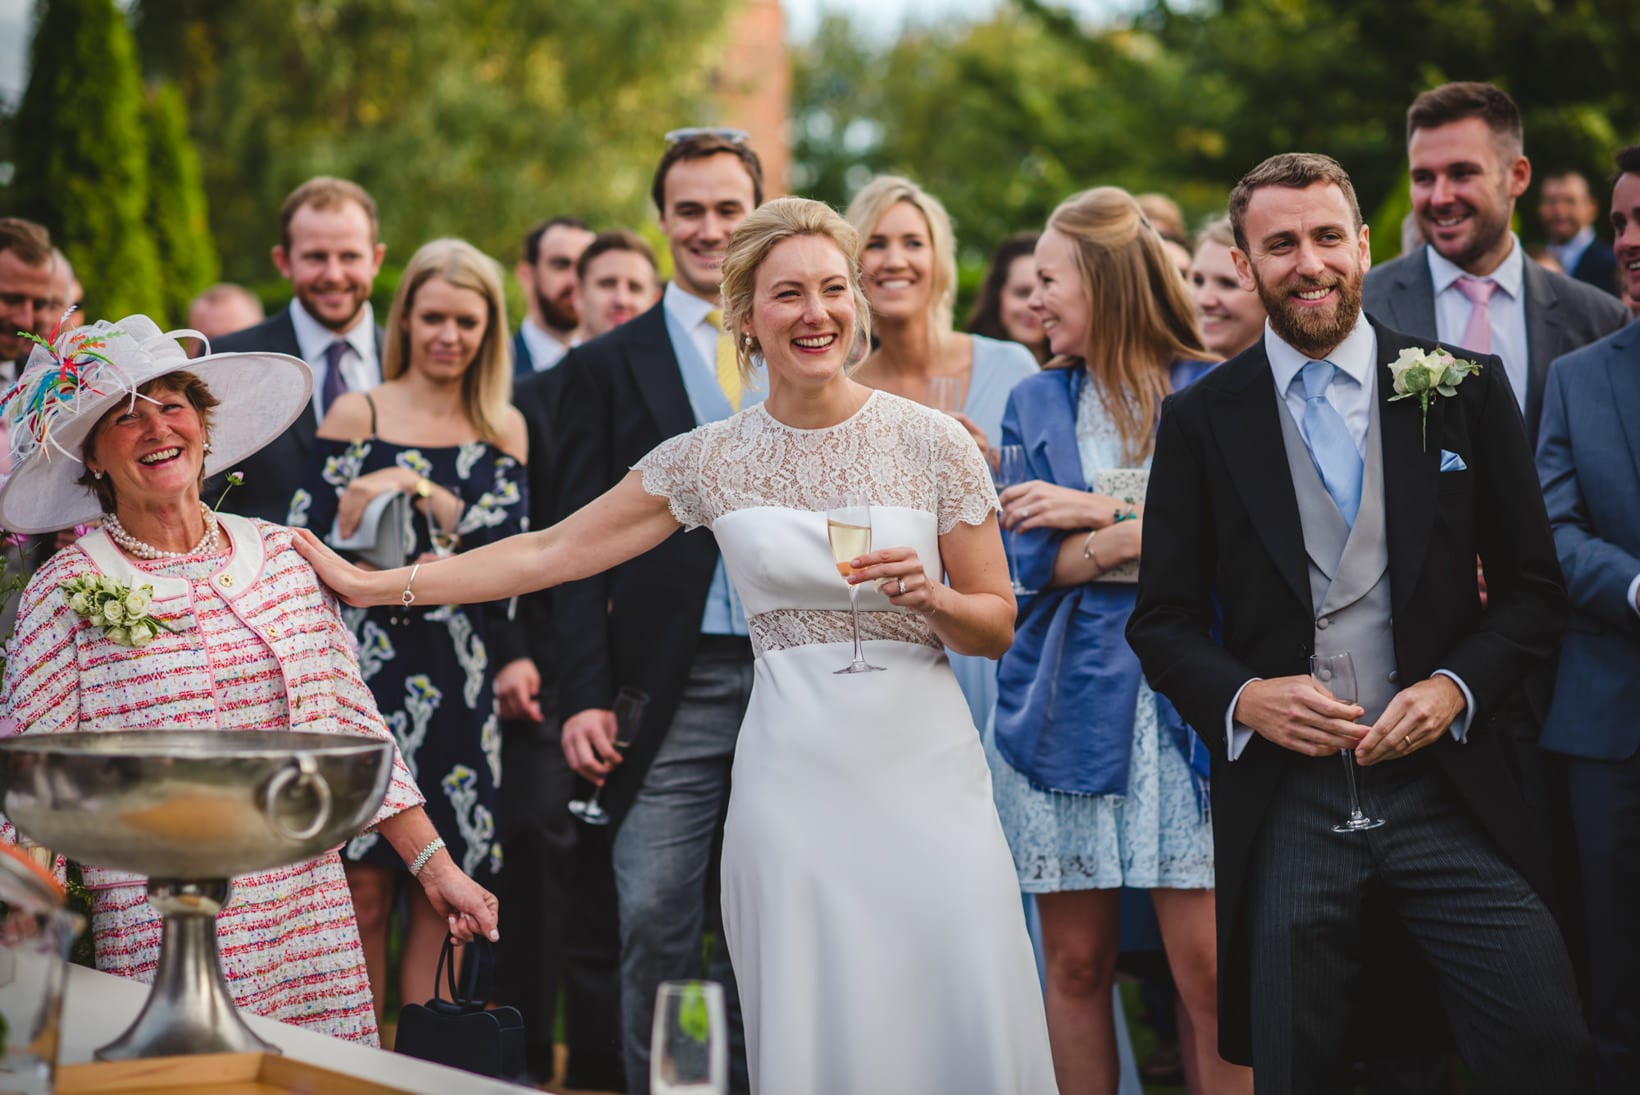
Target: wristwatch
[{"x": 424, "y": 488}]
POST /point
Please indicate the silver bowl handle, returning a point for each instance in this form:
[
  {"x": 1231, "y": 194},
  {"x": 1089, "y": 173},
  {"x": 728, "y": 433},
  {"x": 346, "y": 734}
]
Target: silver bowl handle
[{"x": 302, "y": 771}]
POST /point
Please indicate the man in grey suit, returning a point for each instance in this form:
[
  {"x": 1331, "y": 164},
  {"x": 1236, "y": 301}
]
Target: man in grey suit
[
  {"x": 1471, "y": 284},
  {"x": 1588, "y": 461}
]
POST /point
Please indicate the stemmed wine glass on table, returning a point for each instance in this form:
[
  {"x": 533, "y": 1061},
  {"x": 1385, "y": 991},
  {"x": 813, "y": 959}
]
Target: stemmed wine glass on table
[
  {"x": 1336, "y": 673},
  {"x": 848, "y": 528},
  {"x": 1012, "y": 469},
  {"x": 628, "y": 709}
]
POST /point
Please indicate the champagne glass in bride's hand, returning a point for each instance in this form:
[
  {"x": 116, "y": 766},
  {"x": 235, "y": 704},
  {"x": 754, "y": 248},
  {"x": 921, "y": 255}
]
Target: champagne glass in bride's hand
[
  {"x": 1012, "y": 469},
  {"x": 688, "y": 1044},
  {"x": 628, "y": 710},
  {"x": 1336, "y": 673},
  {"x": 848, "y": 527}
]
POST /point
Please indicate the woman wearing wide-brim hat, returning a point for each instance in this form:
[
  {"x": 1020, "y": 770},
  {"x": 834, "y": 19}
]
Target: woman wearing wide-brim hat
[{"x": 219, "y": 623}]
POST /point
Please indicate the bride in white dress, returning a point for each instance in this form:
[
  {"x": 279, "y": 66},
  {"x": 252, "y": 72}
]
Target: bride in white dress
[{"x": 869, "y": 898}]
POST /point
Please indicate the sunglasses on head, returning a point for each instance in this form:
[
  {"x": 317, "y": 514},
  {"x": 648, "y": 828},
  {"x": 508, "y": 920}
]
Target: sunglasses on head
[{"x": 733, "y": 136}]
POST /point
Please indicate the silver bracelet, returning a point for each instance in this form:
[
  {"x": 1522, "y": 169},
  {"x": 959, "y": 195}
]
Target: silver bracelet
[
  {"x": 424, "y": 855},
  {"x": 407, "y": 598}
]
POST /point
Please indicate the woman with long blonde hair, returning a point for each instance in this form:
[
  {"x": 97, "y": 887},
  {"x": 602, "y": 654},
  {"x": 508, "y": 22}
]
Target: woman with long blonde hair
[
  {"x": 440, "y": 430},
  {"x": 1098, "y": 783}
]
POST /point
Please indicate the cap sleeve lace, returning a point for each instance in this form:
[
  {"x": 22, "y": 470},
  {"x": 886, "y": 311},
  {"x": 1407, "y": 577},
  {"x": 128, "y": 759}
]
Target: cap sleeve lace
[
  {"x": 961, "y": 478},
  {"x": 672, "y": 470}
]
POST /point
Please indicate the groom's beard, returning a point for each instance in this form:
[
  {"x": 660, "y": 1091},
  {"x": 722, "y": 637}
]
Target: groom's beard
[{"x": 1313, "y": 332}]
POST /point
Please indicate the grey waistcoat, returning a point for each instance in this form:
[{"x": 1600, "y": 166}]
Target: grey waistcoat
[{"x": 1349, "y": 568}]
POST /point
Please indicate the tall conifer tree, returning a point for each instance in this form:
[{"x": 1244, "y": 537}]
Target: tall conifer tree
[
  {"x": 176, "y": 204},
  {"x": 81, "y": 154}
]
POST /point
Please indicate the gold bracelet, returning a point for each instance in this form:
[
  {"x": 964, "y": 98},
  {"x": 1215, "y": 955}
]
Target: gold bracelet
[
  {"x": 407, "y": 598},
  {"x": 1087, "y": 549}
]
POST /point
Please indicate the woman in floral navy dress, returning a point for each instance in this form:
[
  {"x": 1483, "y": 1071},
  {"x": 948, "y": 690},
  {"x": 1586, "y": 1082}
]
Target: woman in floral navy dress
[{"x": 441, "y": 429}]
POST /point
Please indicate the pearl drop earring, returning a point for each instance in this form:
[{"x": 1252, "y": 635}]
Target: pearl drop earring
[
  {"x": 96, "y": 475},
  {"x": 207, "y": 447}
]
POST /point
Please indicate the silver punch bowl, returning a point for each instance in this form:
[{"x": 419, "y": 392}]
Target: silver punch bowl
[{"x": 190, "y": 809}]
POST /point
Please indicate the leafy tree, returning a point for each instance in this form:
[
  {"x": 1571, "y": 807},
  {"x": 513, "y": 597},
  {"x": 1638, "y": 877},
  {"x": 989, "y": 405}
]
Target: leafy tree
[
  {"x": 475, "y": 118},
  {"x": 81, "y": 154},
  {"x": 176, "y": 203}
]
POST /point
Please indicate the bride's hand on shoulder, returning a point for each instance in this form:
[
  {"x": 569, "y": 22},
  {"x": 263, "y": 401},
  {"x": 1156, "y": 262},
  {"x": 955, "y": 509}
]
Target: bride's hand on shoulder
[
  {"x": 348, "y": 581},
  {"x": 900, "y": 577}
]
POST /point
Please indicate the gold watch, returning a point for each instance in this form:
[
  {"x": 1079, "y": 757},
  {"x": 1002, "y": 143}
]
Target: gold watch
[{"x": 424, "y": 488}]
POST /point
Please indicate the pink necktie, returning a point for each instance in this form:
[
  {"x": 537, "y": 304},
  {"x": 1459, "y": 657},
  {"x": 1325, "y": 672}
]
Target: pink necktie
[{"x": 1477, "y": 333}]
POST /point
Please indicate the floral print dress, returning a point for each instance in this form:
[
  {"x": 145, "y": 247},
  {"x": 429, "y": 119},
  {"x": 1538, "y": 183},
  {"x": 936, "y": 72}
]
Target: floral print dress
[{"x": 428, "y": 666}]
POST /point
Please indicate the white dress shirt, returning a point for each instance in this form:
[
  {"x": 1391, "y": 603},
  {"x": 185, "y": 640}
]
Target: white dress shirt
[
  {"x": 545, "y": 349},
  {"x": 361, "y": 368},
  {"x": 1351, "y": 393},
  {"x": 690, "y": 312},
  {"x": 1506, "y": 311}
]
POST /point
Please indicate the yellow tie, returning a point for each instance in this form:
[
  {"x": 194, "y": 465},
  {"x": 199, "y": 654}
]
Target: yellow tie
[{"x": 728, "y": 369}]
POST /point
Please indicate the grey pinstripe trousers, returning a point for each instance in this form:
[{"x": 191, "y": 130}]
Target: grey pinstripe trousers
[{"x": 1505, "y": 980}]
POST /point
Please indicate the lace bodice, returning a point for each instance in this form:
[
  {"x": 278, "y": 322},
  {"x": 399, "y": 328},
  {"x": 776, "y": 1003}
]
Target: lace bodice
[
  {"x": 893, "y": 451},
  {"x": 763, "y": 488}
]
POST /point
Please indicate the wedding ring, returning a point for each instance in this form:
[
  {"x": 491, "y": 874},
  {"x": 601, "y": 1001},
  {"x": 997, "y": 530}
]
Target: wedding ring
[
  {"x": 902, "y": 586},
  {"x": 1406, "y": 742}
]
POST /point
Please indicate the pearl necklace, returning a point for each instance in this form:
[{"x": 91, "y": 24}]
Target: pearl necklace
[{"x": 143, "y": 550}]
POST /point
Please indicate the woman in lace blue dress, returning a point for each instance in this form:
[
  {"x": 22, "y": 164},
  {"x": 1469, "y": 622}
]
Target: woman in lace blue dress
[
  {"x": 440, "y": 429},
  {"x": 1098, "y": 783}
]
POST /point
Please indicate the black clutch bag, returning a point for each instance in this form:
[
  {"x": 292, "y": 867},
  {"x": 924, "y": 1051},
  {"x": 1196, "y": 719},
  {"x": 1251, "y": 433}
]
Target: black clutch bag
[{"x": 462, "y": 1032}]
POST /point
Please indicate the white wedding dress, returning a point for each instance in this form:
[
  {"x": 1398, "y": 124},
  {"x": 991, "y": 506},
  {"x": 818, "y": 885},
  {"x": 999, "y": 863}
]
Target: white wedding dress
[{"x": 869, "y": 897}]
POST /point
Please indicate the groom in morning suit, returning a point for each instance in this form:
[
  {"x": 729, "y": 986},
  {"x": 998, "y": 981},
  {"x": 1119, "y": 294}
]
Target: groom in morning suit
[
  {"x": 1588, "y": 461},
  {"x": 329, "y": 252},
  {"x": 668, "y": 622},
  {"x": 1299, "y": 508}
]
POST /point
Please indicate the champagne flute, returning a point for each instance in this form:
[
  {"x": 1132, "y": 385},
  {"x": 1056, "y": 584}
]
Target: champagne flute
[
  {"x": 1012, "y": 469},
  {"x": 945, "y": 393},
  {"x": 629, "y": 705},
  {"x": 688, "y": 1044},
  {"x": 1336, "y": 673},
  {"x": 848, "y": 527},
  {"x": 442, "y": 541}
]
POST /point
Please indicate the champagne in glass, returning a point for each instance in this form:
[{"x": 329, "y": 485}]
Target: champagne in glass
[
  {"x": 1336, "y": 673},
  {"x": 848, "y": 527},
  {"x": 628, "y": 709},
  {"x": 945, "y": 393},
  {"x": 689, "y": 1044},
  {"x": 1012, "y": 469}
]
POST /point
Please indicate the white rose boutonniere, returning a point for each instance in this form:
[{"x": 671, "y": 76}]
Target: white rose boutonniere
[
  {"x": 1425, "y": 374},
  {"x": 120, "y": 611}
]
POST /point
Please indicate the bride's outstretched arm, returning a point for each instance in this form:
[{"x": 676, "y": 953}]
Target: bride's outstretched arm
[{"x": 621, "y": 523}]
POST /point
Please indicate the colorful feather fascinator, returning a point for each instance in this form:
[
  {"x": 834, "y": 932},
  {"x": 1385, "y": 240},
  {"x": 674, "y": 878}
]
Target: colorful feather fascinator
[{"x": 77, "y": 376}]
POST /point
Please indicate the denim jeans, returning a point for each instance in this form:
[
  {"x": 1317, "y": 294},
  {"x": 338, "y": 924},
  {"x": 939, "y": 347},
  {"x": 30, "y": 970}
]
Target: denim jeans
[{"x": 666, "y": 852}]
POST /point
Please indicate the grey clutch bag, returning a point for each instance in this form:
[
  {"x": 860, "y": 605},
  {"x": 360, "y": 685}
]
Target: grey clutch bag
[{"x": 383, "y": 536}]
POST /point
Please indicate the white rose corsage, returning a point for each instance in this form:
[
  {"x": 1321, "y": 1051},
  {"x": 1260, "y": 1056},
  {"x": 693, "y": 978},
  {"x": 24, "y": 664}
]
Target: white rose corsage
[
  {"x": 122, "y": 612},
  {"x": 1426, "y": 374}
]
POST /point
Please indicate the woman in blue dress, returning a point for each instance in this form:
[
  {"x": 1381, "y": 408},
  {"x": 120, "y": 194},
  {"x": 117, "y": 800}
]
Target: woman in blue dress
[
  {"x": 908, "y": 269},
  {"x": 1098, "y": 783},
  {"x": 441, "y": 430}
]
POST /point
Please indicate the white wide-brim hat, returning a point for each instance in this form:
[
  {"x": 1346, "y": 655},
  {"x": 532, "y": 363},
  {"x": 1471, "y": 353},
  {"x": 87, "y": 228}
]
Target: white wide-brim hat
[{"x": 65, "y": 391}]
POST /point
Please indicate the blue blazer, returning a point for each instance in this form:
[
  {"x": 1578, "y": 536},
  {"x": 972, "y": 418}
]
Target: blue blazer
[
  {"x": 1588, "y": 460},
  {"x": 1067, "y": 688},
  {"x": 523, "y": 363}
]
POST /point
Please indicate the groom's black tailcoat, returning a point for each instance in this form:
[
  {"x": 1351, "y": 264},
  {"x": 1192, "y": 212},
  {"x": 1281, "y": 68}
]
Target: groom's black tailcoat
[{"x": 1223, "y": 539}]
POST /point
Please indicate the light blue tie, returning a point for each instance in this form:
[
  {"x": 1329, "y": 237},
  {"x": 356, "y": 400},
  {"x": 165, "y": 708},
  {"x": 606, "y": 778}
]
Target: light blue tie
[{"x": 1335, "y": 455}]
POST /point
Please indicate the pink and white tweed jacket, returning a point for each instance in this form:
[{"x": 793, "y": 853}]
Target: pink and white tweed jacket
[{"x": 63, "y": 674}]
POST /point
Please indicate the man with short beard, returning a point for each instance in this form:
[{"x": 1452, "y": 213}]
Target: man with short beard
[
  {"x": 546, "y": 272},
  {"x": 1295, "y": 509},
  {"x": 1471, "y": 285}
]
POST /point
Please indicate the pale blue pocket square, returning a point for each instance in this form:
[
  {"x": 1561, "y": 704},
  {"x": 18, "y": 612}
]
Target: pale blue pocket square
[{"x": 1451, "y": 461}]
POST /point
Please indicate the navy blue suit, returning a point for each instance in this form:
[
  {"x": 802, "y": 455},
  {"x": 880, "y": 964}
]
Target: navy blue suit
[{"x": 1588, "y": 460}]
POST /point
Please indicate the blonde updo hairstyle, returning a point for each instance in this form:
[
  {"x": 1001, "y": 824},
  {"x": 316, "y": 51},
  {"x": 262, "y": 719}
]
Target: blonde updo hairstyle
[
  {"x": 1141, "y": 318},
  {"x": 883, "y": 193},
  {"x": 767, "y": 226},
  {"x": 486, "y": 386}
]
